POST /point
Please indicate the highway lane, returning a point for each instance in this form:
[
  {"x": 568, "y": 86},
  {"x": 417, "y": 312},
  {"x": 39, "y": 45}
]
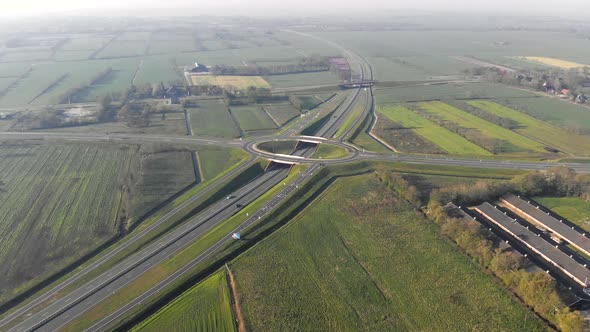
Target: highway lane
[
  {"x": 107, "y": 321},
  {"x": 80, "y": 300},
  {"x": 133, "y": 238}
]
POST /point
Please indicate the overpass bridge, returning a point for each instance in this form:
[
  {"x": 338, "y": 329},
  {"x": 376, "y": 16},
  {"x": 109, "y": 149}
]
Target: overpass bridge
[{"x": 357, "y": 84}]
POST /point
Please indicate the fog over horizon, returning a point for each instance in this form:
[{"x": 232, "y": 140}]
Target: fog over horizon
[{"x": 287, "y": 7}]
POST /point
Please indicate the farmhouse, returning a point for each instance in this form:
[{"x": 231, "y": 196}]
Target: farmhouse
[{"x": 200, "y": 69}]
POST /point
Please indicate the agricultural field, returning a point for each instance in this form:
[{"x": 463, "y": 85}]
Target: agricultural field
[
  {"x": 123, "y": 48},
  {"x": 252, "y": 118},
  {"x": 238, "y": 82},
  {"x": 205, "y": 307},
  {"x": 49, "y": 207},
  {"x": 333, "y": 265},
  {"x": 449, "y": 91},
  {"x": 447, "y": 140},
  {"x": 572, "y": 117},
  {"x": 564, "y": 64},
  {"x": 157, "y": 70},
  {"x": 574, "y": 209},
  {"x": 504, "y": 140},
  {"x": 281, "y": 113},
  {"x": 212, "y": 118},
  {"x": 403, "y": 139},
  {"x": 162, "y": 173},
  {"x": 304, "y": 79},
  {"x": 539, "y": 130}
]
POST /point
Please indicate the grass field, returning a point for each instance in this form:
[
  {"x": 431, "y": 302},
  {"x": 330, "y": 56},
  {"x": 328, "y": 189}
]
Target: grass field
[
  {"x": 510, "y": 141},
  {"x": 238, "y": 82},
  {"x": 558, "y": 112},
  {"x": 447, "y": 91},
  {"x": 58, "y": 203},
  {"x": 282, "y": 113},
  {"x": 212, "y": 118},
  {"x": 205, "y": 307},
  {"x": 161, "y": 175},
  {"x": 252, "y": 118},
  {"x": 445, "y": 139},
  {"x": 304, "y": 79},
  {"x": 327, "y": 151},
  {"x": 213, "y": 161},
  {"x": 361, "y": 259},
  {"x": 573, "y": 209},
  {"x": 564, "y": 64},
  {"x": 539, "y": 130}
]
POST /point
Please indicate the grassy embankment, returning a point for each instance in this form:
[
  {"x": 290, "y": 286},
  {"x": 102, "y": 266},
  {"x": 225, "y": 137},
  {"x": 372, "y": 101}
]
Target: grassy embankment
[{"x": 205, "y": 307}]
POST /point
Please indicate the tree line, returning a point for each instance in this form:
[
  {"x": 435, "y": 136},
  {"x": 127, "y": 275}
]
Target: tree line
[
  {"x": 537, "y": 289},
  {"x": 303, "y": 65}
]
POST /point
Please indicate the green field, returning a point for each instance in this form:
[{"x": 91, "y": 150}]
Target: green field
[
  {"x": 212, "y": 118},
  {"x": 361, "y": 259},
  {"x": 558, "y": 112},
  {"x": 252, "y": 118},
  {"x": 205, "y": 307},
  {"x": 510, "y": 141},
  {"x": 213, "y": 161},
  {"x": 281, "y": 113},
  {"x": 402, "y": 138},
  {"x": 445, "y": 139},
  {"x": 574, "y": 209},
  {"x": 327, "y": 151},
  {"x": 539, "y": 130},
  {"x": 58, "y": 203},
  {"x": 305, "y": 79},
  {"x": 447, "y": 92}
]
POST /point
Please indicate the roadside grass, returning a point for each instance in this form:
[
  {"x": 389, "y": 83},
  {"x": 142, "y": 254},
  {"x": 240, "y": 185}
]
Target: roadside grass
[
  {"x": 539, "y": 130},
  {"x": 360, "y": 258},
  {"x": 444, "y": 138},
  {"x": 159, "y": 272},
  {"x": 212, "y": 118},
  {"x": 205, "y": 307},
  {"x": 358, "y": 110},
  {"x": 252, "y": 118},
  {"x": 513, "y": 142},
  {"x": 327, "y": 151},
  {"x": 574, "y": 209}
]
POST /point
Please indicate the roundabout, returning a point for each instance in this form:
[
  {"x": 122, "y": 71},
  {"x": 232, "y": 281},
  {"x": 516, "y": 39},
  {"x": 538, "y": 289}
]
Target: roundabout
[{"x": 273, "y": 149}]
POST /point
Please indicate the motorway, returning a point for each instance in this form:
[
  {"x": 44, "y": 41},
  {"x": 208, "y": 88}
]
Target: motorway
[
  {"x": 62, "y": 311},
  {"x": 46, "y": 313}
]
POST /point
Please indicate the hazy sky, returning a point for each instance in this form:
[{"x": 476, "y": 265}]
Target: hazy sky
[{"x": 250, "y": 7}]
